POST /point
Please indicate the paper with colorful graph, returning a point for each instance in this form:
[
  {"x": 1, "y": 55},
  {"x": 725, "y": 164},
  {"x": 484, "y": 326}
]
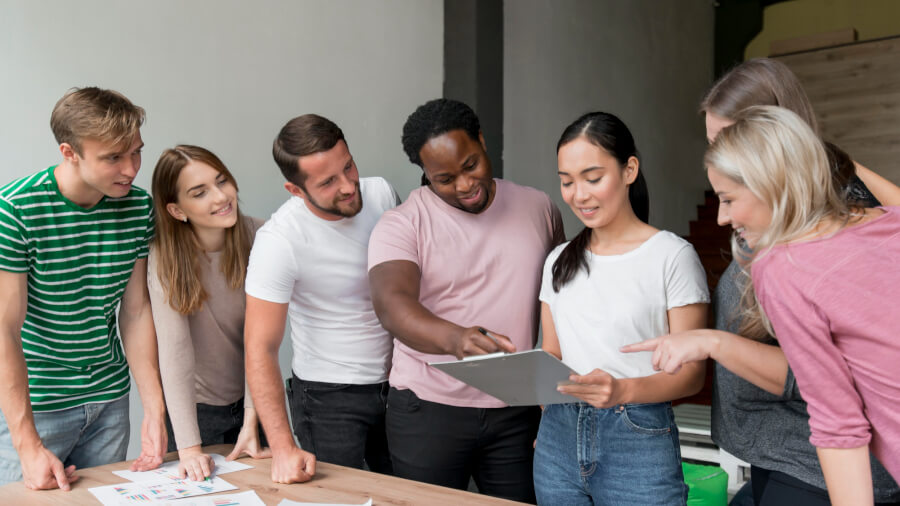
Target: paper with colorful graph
[
  {"x": 170, "y": 470},
  {"x": 248, "y": 498},
  {"x": 163, "y": 488}
]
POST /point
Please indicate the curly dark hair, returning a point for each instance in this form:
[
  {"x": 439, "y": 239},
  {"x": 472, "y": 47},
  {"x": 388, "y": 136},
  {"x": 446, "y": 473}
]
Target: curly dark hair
[{"x": 434, "y": 118}]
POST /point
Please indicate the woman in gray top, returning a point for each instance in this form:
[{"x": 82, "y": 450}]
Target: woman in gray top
[
  {"x": 196, "y": 270},
  {"x": 758, "y": 414}
]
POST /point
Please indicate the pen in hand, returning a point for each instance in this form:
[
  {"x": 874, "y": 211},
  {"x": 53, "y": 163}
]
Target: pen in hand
[
  {"x": 490, "y": 336},
  {"x": 479, "y": 346}
]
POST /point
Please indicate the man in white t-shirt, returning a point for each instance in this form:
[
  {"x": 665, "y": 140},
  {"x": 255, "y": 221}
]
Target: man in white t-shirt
[{"x": 308, "y": 262}]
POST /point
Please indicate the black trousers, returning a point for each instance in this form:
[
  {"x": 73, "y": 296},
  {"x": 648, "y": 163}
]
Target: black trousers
[
  {"x": 340, "y": 423},
  {"x": 217, "y": 424},
  {"x": 446, "y": 445},
  {"x": 774, "y": 488}
]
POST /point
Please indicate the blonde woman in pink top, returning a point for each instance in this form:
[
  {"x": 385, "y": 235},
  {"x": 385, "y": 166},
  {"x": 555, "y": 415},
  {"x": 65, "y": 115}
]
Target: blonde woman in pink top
[{"x": 825, "y": 282}]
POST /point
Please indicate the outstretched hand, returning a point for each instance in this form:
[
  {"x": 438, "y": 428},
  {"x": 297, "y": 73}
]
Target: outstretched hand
[{"x": 672, "y": 351}]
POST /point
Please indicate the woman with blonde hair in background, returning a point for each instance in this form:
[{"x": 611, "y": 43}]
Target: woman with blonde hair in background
[
  {"x": 824, "y": 280},
  {"x": 758, "y": 413},
  {"x": 198, "y": 261}
]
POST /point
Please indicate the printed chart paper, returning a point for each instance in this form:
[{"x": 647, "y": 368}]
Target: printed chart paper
[
  {"x": 160, "y": 489},
  {"x": 286, "y": 502},
  {"x": 169, "y": 470},
  {"x": 242, "y": 499}
]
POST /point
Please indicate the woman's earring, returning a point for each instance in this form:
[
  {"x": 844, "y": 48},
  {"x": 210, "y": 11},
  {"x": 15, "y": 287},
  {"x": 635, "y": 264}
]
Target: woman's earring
[{"x": 184, "y": 219}]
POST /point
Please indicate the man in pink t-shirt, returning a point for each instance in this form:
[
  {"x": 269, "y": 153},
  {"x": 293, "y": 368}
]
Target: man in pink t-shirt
[{"x": 459, "y": 260}]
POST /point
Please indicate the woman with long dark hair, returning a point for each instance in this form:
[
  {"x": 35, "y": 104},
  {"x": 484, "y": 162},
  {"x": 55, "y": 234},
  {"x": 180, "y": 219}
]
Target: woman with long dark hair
[{"x": 619, "y": 281}]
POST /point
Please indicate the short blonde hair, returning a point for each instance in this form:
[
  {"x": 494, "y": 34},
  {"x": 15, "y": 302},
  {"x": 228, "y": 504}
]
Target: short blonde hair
[
  {"x": 94, "y": 113},
  {"x": 778, "y": 157}
]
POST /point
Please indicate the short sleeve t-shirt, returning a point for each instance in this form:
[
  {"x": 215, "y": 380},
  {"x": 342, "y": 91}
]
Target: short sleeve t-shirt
[
  {"x": 78, "y": 263},
  {"x": 476, "y": 269},
  {"x": 318, "y": 268},
  {"x": 623, "y": 299}
]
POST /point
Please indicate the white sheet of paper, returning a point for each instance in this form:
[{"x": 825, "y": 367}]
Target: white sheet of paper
[
  {"x": 169, "y": 470},
  {"x": 158, "y": 490},
  {"x": 286, "y": 502},
  {"x": 248, "y": 498}
]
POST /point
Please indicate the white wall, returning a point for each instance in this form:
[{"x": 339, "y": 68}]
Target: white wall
[
  {"x": 226, "y": 75},
  {"x": 648, "y": 62}
]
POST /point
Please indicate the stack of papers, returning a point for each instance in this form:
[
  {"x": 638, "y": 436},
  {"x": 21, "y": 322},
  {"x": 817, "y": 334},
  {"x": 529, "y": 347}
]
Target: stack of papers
[
  {"x": 160, "y": 489},
  {"x": 170, "y": 470},
  {"x": 286, "y": 502},
  {"x": 163, "y": 484},
  {"x": 242, "y": 499}
]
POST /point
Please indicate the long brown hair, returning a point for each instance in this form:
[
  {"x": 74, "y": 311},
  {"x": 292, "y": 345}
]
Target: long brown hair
[
  {"x": 176, "y": 247},
  {"x": 759, "y": 82},
  {"x": 762, "y": 81}
]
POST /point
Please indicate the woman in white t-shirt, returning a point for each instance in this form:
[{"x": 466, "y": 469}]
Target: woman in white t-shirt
[{"x": 619, "y": 281}]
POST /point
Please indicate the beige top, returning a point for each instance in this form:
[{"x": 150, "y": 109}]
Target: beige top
[{"x": 201, "y": 356}]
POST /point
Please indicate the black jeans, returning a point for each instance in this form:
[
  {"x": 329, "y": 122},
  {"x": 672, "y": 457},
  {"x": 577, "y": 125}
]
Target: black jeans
[
  {"x": 340, "y": 423},
  {"x": 774, "y": 488},
  {"x": 217, "y": 424},
  {"x": 446, "y": 445}
]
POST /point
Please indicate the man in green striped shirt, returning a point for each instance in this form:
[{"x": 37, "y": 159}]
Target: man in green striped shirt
[{"x": 73, "y": 248}]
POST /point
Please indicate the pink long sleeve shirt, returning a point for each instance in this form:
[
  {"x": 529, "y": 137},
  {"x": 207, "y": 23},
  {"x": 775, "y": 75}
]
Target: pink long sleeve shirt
[{"x": 834, "y": 303}]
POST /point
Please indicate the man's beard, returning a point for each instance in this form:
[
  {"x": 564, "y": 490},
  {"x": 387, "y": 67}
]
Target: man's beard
[{"x": 336, "y": 209}]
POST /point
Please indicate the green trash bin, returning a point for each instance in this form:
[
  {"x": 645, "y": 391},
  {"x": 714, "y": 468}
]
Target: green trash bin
[{"x": 708, "y": 485}]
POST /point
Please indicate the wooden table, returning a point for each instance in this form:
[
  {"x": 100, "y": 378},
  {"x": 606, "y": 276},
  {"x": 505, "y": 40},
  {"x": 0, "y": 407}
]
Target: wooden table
[{"x": 331, "y": 484}]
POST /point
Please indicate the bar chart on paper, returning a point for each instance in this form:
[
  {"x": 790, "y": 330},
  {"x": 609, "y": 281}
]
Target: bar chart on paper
[
  {"x": 161, "y": 489},
  {"x": 169, "y": 470}
]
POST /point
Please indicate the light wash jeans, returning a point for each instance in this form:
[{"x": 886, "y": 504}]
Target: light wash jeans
[
  {"x": 625, "y": 455},
  {"x": 86, "y": 436}
]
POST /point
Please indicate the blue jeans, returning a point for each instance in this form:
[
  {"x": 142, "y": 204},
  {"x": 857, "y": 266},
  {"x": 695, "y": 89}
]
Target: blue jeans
[
  {"x": 341, "y": 423},
  {"x": 90, "y": 435},
  {"x": 627, "y": 455}
]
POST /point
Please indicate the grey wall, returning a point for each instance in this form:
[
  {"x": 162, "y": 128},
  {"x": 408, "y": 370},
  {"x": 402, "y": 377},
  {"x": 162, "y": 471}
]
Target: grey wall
[
  {"x": 473, "y": 65},
  {"x": 646, "y": 61},
  {"x": 224, "y": 74}
]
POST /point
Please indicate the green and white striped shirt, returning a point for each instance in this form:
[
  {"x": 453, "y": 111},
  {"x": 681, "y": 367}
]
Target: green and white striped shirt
[{"x": 78, "y": 263}]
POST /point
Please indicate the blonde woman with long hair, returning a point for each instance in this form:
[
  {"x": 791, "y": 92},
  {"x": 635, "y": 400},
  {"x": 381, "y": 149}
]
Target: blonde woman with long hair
[
  {"x": 758, "y": 412},
  {"x": 824, "y": 281},
  {"x": 198, "y": 261}
]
